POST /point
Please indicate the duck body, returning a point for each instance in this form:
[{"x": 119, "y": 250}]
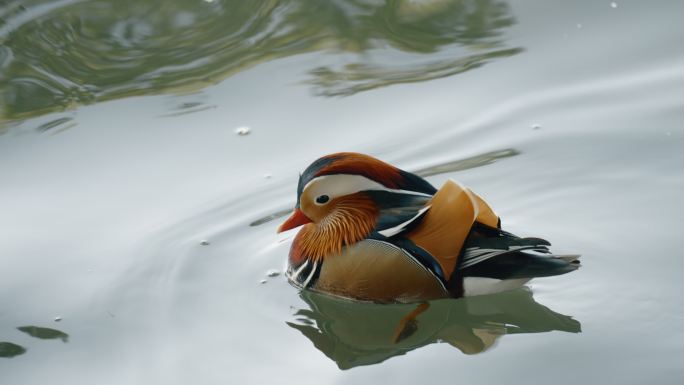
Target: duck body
[{"x": 373, "y": 232}]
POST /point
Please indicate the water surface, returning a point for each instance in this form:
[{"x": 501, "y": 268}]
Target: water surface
[{"x": 118, "y": 157}]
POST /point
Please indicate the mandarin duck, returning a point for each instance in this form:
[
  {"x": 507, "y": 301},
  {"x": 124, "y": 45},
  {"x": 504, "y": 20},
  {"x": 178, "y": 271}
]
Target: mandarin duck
[{"x": 373, "y": 232}]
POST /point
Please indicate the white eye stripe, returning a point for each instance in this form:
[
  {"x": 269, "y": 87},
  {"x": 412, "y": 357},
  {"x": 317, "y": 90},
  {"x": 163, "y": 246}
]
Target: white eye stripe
[{"x": 344, "y": 184}]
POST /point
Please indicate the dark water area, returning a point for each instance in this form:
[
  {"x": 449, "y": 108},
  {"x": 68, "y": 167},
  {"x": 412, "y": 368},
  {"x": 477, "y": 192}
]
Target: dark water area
[{"x": 149, "y": 149}]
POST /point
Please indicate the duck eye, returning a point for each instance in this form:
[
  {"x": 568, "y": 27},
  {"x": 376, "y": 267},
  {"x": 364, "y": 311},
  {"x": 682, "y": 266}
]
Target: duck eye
[{"x": 322, "y": 199}]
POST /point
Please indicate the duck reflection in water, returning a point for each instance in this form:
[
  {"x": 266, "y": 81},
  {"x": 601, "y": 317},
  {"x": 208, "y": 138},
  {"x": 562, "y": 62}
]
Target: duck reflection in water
[{"x": 357, "y": 333}]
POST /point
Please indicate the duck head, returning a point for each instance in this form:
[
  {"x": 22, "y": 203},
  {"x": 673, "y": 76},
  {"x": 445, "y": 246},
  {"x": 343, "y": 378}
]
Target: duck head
[{"x": 343, "y": 197}]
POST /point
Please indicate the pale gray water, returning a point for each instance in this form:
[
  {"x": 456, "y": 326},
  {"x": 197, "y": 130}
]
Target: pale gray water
[{"x": 103, "y": 207}]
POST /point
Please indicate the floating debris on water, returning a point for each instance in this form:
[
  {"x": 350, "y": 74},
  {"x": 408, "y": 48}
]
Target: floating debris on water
[
  {"x": 263, "y": 281},
  {"x": 536, "y": 126},
  {"x": 242, "y": 131},
  {"x": 272, "y": 273},
  {"x": 204, "y": 242},
  {"x": 268, "y": 176},
  {"x": 613, "y": 4},
  {"x": 57, "y": 319}
]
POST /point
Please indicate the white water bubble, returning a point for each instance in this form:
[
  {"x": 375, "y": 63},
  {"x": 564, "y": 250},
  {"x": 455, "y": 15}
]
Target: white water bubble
[{"x": 242, "y": 131}]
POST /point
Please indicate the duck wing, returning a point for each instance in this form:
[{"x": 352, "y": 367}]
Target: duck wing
[
  {"x": 456, "y": 235},
  {"x": 444, "y": 228},
  {"x": 493, "y": 253}
]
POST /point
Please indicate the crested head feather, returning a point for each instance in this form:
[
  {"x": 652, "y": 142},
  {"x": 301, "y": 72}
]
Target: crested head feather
[
  {"x": 360, "y": 164},
  {"x": 351, "y": 163}
]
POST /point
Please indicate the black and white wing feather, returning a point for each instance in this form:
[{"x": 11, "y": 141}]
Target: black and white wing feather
[{"x": 494, "y": 253}]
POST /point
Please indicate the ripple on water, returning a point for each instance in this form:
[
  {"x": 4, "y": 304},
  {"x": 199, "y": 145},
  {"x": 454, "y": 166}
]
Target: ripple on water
[
  {"x": 602, "y": 178},
  {"x": 60, "y": 54}
]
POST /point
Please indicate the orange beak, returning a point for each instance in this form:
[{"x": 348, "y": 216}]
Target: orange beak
[{"x": 295, "y": 220}]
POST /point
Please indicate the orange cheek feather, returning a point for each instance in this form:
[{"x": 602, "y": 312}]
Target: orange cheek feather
[{"x": 350, "y": 220}]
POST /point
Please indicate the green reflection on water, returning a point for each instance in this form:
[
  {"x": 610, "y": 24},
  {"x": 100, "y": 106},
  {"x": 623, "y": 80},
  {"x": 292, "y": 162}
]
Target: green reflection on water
[
  {"x": 354, "y": 334},
  {"x": 9, "y": 350},
  {"x": 44, "y": 333},
  {"x": 56, "y": 55}
]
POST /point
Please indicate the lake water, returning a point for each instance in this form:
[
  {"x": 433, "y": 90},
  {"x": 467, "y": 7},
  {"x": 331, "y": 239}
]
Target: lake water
[{"x": 138, "y": 231}]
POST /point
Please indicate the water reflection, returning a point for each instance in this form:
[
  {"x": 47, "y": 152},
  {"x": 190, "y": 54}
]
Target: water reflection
[
  {"x": 467, "y": 163},
  {"x": 55, "y": 55},
  {"x": 354, "y": 334},
  {"x": 44, "y": 333},
  {"x": 9, "y": 350},
  {"x": 353, "y": 78},
  {"x": 188, "y": 104}
]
